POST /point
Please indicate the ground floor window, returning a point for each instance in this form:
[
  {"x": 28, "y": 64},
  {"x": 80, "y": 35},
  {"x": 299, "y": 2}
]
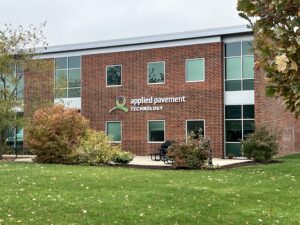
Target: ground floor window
[
  {"x": 195, "y": 128},
  {"x": 114, "y": 130},
  {"x": 239, "y": 123},
  {"x": 156, "y": 131}
]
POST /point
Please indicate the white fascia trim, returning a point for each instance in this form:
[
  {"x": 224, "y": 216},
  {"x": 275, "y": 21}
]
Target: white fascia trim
[{"x": 137, "y": 47}]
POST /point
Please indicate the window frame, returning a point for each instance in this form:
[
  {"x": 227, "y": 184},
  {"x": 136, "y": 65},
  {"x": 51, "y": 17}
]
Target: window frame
[
  {"x": 241, "y": 56},
  {"x": 121, "y": 126},
  {"x": 148, "y": 132},
  {"x": 191, "y": 120},
  {"x": 107, "y": 77},
  {"x": 186, "y": 70},
  {"x": 164, "y": 62},
  {"x": 67, "y": 69}
]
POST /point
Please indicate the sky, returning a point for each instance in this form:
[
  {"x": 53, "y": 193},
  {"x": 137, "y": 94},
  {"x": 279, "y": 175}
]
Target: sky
[{"x": 78, "y": 21}]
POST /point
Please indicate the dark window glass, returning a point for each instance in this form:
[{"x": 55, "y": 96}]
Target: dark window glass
[
  {"x": 73, "y": 92},
  {"x": 156, "y": 131},
  {"x": 249, "y": 127},
  {"x": 156, "y": 72},
  {"x": 74, "y": 62},
  {"x": 247, "y": 48},
  {"x": 195, "y": 128},
  {"x": 248, "y": 84},
  {"x": 233, "y": 149},
  {"x": 233, "y": 49},
  {"x": 233, "y": 85},
  {"x": 248, "y": 111},
  {"x": 233, "y": 112},
  {"x": 61, "y": 63},
  {"x": 74, "y": 78},
  {"x": 113, "y": 75},
  {"x": 233, "y": 130}
]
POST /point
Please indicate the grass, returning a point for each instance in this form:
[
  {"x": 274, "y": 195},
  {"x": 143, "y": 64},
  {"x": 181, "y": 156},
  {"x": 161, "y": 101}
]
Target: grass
[{"x": 58, "y": 194}]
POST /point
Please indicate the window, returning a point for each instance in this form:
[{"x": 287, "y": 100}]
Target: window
[
  {"x": 239, "y": 66},
  {"x": 68, "y": 77},
  {"x": 239, "y": 123},
  {"x": 156, "y": 131},
  {"x": 195, "y": 70},
  {"x": 156, "y": 72},
  {"x": 195, "y": 128},
  {"x": 114, "y": 130},
  {"x": 114, "y": 75}
]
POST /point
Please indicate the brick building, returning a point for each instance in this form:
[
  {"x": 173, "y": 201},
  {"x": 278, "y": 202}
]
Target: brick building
[{"x": 144, "y": 91}]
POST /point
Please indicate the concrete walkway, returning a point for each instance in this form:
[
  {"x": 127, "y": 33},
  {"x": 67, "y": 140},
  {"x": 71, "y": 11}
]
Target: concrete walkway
[
  {"x": 146, "y": 161},
  {"x": 143, "y": 161}
]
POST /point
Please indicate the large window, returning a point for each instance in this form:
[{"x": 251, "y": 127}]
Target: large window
[
  {"x": 156, "y": 72},
  {"x": 156, "y": 131},
  {"x": 239, "y": 122},
  {"x": 195, "y": 70},
  {"x": 195, "y": 128},
  {"x": 68, "y": 77},
  {"x": 114, "y": 75},
  {"x": 114, "y": 130},
  {"x": 239, "y": 66}
]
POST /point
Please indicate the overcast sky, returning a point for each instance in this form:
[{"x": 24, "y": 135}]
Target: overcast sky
[{"x": 75, "y": 21}]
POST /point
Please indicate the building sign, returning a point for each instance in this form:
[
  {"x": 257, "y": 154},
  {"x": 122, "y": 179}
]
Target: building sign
[
  {"x": 120, "y": 104},
  {"x": 146, "y": 104}
]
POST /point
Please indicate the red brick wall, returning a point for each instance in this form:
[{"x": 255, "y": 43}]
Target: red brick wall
[
  {"x": 204, "y": 99},
  {"x": 271, "y": 112},
  {"x": 38, "y": 84}
]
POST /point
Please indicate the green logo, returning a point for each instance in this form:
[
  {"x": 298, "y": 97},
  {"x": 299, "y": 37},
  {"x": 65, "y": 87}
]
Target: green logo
[{"x": 120, "y": 104}]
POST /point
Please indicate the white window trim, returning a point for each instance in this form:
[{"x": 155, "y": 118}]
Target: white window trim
[
  {"x": 186, "y": 70},
  {"x": 186, "y": 130},
  {"x": 115, "y": 121},
  {"x": 121, "y": 75},
  {"x": 148, "y": 133},
  {"x": 164, "y": 62}
]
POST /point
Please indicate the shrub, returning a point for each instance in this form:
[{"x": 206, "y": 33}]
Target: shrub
[
  {"x": 96, "y": 148},
  {"x": 191, "y": 154},
  {"x": 261, "y": 145},
  {"x": 54, "y": 134},
  {"x": 123, "y": 157}
]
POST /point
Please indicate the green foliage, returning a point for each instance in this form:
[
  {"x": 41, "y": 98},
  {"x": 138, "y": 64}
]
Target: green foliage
[
  {"x": 17, "y": 50},
  {"x": 261, "y": 145},
  {"x": 55, "y": 133},
  {"x": 191, "y": 154},
  {"x": 276, "y": 26},
  {"x": 122, "y": 157},
  {"x": 96, "y": 148}
]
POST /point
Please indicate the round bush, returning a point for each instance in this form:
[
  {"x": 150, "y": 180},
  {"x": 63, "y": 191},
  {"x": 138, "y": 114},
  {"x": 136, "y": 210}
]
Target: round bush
[
  {"x": 261, "y": 145},
  {"x": 55, "y": 133}
]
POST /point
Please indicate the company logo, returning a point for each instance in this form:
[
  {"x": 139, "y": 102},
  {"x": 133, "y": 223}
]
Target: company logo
[{"x": 120, "y": 104}]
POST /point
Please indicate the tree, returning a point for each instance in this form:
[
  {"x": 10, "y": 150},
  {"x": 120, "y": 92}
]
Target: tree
[
  {"x": 18, "y": 49},
  {"x": 276, "y": 28}
]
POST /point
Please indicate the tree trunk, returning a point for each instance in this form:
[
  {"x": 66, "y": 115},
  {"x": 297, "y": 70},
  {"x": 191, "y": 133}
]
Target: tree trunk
[{"x": 2, "y": 142}]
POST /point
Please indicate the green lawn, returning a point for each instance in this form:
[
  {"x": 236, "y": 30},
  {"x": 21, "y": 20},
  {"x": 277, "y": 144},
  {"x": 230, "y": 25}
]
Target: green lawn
[{"x": 55, "y": 194}]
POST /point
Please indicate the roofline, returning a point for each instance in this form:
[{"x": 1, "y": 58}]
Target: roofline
[{"x": 222, "y": 31}]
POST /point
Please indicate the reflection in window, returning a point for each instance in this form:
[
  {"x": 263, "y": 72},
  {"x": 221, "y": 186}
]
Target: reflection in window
[
  {"x": 113, "y": 75},
  {"x": 156, "y": 73}
]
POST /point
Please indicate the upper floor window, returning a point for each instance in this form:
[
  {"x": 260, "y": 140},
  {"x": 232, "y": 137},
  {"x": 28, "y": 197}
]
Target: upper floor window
[
  {"x": 114, "y": 75},
  {"x": 239, "y": 66},
  {"x": 68, "y": 77},
  {"x": 156, "y": 72},
  {"x": 195, "y": 70}
]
